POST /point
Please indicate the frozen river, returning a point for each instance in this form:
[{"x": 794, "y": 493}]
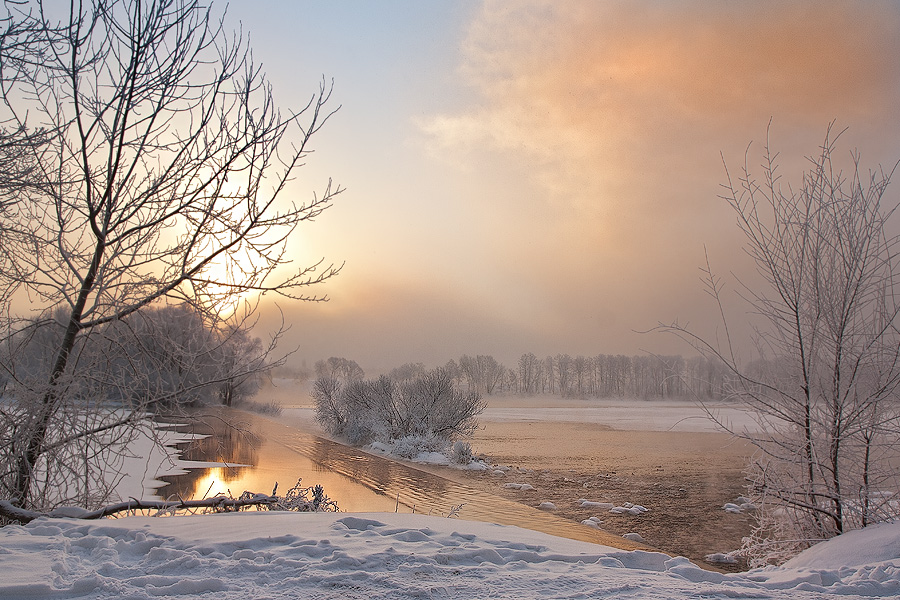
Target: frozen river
[{"x": 624, "y": 415}]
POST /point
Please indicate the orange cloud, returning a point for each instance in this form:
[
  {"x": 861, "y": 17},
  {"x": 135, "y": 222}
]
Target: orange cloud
[
  {"x": 577, "y": 182},
  {"x": 605, "y": 121},
  {"x": 589, "y": 88}
]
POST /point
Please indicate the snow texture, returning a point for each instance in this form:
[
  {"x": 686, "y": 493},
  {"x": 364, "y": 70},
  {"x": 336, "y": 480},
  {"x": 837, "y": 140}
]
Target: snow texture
[
  {"x": 742, "y": 504},
  {"x": 376, "y": 556},
  {"x": 522, "y": 487},
  {"x": 629, "y": 509}
]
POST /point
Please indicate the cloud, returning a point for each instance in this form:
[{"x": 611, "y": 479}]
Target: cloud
[
  {"x": 590, "y": 91},
  {"x": 577, "y": 173},
  {"x": 382, "y": 323},
  {"x": 605, "y": 123}
]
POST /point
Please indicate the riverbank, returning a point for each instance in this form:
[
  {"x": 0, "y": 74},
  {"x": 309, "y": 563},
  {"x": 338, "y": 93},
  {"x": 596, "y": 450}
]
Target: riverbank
[{"x": 667, "y": 456}]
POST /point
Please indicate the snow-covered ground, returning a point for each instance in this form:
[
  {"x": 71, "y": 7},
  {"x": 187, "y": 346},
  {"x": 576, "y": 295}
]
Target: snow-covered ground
[
  {"x": 387, "y": 555},
  {"x": 151, "y": 456},
  {"x": 390, "y": 555},
  {"x": 621, "y": 413}
]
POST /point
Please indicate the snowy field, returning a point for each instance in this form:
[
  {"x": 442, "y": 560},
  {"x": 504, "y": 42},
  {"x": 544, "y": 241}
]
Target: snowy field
[
  {"x": 385, "y": 555},
  {"x": 624, "y": 414}
]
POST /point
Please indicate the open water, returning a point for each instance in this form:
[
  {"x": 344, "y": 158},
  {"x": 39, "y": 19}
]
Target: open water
[{"x": 262, "y": 451}]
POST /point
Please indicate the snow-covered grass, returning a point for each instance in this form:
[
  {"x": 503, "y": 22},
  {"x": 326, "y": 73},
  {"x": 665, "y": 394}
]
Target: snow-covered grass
[{"x": 388, "y": 555}]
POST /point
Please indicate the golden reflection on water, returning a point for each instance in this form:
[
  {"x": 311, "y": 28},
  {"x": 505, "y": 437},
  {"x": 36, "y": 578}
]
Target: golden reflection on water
[
  {"x": 274, "y": 454},
  {"x": 213, "y": 482},
  {"x": 357, "y": 481}
]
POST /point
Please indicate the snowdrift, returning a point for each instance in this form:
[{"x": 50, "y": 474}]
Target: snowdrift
[{"x": 389, "y": 555}]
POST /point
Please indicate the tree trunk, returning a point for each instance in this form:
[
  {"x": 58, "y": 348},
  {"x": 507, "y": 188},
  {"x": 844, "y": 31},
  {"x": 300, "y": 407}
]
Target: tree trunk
[{"x": 34, "y": 444}]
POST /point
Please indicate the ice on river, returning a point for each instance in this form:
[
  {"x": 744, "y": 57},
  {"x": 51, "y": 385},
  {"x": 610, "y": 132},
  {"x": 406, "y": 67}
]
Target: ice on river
[
  {"x": 388, "y": 555},
  {"x": 624, "y": 414}
]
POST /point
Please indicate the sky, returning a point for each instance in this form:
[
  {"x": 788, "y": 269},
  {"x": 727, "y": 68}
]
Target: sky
[{"x": 544, "y": 176}]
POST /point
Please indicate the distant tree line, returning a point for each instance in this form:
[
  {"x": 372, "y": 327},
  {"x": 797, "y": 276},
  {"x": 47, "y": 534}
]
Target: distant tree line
[
  {"x": 161, "y": 358},
  {"x": 600, "y": 376}
]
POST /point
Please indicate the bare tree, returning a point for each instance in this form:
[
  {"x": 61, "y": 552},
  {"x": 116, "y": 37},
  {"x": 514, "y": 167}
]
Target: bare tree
[
  {"x": 172, "y": 356},
  {"x": 827, "y": 391},
  {"x": 529, "y": 373},
  {"x": 158, "y": 170},
  {"x": 339, "y": 368},
  {"x": 426, "y": 406},
  {"x": 563, "y": 374},
  {"x": 482, "y": 372},
  {"x": 407, "y": 371}
]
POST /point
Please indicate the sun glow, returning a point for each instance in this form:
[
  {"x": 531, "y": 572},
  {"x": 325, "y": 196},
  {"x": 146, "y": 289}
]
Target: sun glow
[{"x": 216, "y": 482}]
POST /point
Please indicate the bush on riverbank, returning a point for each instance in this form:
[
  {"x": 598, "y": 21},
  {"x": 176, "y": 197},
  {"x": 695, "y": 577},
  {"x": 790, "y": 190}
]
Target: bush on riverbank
[
  {"x": 270, "y": 408},
  {"x": 427, "y": 406}
]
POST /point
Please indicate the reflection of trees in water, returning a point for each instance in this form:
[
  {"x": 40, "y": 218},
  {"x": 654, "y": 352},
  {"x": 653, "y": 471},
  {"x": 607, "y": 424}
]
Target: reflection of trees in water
[
  {"x": 225, "y": 443},
  {"x": 222, "y": 442}
]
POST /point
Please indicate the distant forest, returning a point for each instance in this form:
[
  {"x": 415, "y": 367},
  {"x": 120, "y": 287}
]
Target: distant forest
[{"x": 600, "y": 376}]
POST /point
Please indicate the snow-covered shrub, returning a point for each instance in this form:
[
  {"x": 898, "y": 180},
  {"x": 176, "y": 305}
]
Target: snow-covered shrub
[
  {"x": 776, "y": 538},
  {"x": 426, "y": 406},
  {"x": 357, "y": 433},
  {"x": 461, "y": 453},
  {"x": 305, "y": 499},
  {"x": 411, "y": 446},
  {"x": 331, "y": 411}
]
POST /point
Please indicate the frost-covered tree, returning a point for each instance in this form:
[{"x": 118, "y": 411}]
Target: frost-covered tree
[
  {"x": 428, "y": 405},
  {"x": 482, "y": 372},
  {"x": 828, "y": 390},
  {"x": 152, "y": 165}
]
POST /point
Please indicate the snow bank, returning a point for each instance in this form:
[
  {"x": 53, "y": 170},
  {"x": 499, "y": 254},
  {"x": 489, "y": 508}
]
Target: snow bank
[
  {"x": 376, "y": 555},
  {"x": 404, "y": 449},
  {"x": 869, "y": 546},
  {"x": 152, "y": 455}
]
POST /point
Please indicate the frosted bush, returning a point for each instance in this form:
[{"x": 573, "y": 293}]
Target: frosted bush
[
  {"x": 427, "y": 406},
  {"x": 411, "y": 446},
  {"x": 461, "y": 453}
]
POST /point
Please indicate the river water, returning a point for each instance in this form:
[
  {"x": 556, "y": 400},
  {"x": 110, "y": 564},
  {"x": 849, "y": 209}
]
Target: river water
[{"x": 261, "y": 451}]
